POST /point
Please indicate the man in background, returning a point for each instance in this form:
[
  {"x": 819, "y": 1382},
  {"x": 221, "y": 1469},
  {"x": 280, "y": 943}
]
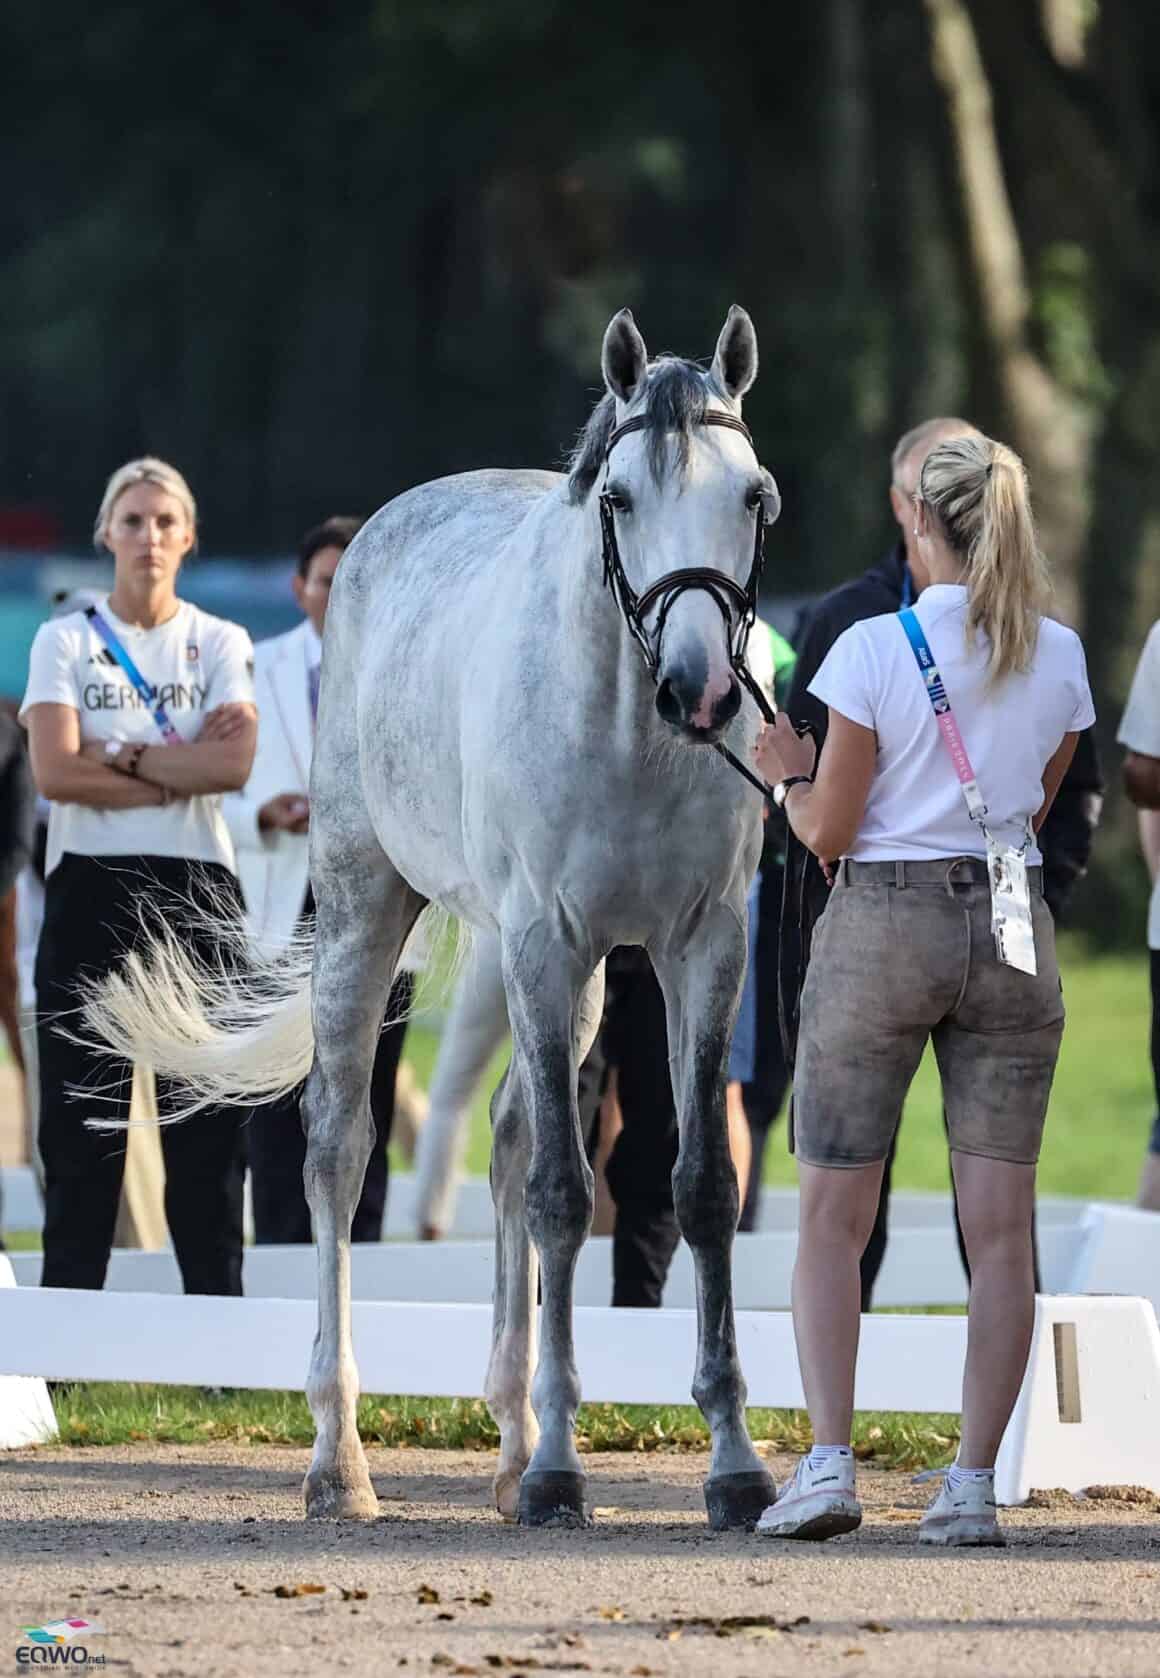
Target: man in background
[
  {"x": 270, "y": 824},
  {"x": 1140, "y": 733},
  {"x": 1066, "y": 838}
]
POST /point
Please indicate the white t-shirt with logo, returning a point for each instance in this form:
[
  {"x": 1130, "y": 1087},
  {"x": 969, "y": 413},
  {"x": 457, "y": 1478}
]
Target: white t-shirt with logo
[
  {"x": 1011, "y": 730},
  {"x": 195, "y": 662},
  {"x": 1140, "y": 732}
]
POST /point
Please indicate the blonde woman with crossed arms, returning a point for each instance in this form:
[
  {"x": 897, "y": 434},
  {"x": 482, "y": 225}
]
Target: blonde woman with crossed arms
[{"x": 140, "y": 715}]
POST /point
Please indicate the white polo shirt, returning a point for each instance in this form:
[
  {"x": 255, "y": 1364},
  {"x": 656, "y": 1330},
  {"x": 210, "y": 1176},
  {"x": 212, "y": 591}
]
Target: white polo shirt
[
  {"x": 915, "y": 809},
  {"x": 195, "y": 662},
  {"x": 1140, "y": 732}
]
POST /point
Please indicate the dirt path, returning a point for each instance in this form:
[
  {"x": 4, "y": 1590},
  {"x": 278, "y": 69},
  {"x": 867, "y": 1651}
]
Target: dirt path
[{"x": 178, "y": 1552}]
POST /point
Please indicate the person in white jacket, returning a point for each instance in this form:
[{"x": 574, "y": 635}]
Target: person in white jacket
[{"x": 270, "y": 821}]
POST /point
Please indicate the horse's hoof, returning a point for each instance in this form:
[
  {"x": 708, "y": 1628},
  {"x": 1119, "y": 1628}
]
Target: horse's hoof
[
  {"x": 506, "y": 1492},
  {"x": 329, "y": 1498},
  {"x": 734, "y": 1502},
  {"x": 553, "y": 1498}
]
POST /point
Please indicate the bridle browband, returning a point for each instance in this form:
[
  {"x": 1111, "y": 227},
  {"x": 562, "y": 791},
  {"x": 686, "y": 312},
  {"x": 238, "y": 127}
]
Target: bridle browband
[{"x": 723, "y": 589}]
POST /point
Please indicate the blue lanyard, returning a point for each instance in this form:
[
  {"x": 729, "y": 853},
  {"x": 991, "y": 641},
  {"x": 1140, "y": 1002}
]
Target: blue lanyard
[{"x": 147, "y": 693}]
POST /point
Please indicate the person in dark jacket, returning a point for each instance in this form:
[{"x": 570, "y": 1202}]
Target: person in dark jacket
[{"x": 1066, "y": 838}]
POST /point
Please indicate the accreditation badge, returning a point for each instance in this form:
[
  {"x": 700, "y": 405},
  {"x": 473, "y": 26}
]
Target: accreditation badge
[{"x": 1011, "y": 923}]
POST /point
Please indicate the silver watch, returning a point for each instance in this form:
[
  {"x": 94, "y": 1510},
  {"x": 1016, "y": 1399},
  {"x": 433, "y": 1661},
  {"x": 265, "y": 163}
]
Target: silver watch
[
  {"x": 781, "y": 790},
  {"x": 113, "y": 752}
]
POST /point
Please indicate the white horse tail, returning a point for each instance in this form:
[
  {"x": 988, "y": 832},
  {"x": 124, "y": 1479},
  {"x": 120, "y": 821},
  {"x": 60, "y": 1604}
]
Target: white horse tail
[{"x": 235, "y": 1034}]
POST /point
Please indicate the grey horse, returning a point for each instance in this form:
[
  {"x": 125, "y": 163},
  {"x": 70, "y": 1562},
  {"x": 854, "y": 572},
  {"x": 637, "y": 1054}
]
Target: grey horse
[{"x": 491, "y": 739}]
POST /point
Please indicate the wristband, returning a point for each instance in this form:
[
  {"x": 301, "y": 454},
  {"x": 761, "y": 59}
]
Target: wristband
[{"x": 133, "y": 758}]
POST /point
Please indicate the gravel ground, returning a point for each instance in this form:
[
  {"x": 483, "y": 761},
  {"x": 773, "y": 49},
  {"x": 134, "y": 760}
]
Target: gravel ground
[{"x": 192, "y": 1559}]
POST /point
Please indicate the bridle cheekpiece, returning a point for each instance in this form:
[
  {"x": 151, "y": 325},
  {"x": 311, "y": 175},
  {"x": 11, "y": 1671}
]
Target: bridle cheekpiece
[{"x": 730, "y": 596}]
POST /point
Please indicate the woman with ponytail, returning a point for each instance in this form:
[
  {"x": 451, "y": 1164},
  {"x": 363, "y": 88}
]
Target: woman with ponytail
[{"x": 950, "y": 728}]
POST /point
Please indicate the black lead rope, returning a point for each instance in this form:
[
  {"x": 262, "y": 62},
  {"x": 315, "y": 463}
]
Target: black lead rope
[{"x": 723, "y": 589}]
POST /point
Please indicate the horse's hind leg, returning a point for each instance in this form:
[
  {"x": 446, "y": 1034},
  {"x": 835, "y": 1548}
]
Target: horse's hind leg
[
  {"x": 701, "y": 982},
  {"x": 509, "y": 1375},
  {"x": 476, "y": 1026},
  {"x": 365, "y": 909}
]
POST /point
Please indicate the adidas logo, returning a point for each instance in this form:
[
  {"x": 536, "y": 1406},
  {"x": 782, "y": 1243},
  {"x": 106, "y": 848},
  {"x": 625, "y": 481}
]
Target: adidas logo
[{"x": 102, "y": 657}]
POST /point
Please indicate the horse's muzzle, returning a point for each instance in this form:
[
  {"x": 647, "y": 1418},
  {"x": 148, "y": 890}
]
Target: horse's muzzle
[{"x": 684, "y": 706}]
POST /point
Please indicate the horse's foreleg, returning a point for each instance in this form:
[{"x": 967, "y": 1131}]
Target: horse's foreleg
[
  {"x": 513, "y": 1349},
  {"x": 365, "y": 911},
  {"x": 545, "y": 985},
  {"x": 702, "y": 982}
]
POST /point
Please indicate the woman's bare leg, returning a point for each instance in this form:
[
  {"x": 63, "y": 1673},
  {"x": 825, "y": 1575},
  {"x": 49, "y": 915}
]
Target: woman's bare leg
[
  {"x": 837, "y": 1215},
  {"x": 996, "y": 1202},
  {"x": 740, "y": 1142}
]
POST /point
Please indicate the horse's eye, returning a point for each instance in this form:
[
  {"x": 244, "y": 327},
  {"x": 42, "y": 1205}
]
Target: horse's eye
[
  {"x": 618, "y": 501},
  {"x": 755, "y": 499}
]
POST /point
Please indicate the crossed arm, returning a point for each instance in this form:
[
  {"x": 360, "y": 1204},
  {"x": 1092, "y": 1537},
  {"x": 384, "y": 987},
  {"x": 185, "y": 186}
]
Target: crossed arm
[{"x": 219, "y": 760}]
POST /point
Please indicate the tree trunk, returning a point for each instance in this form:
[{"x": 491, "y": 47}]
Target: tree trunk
[{"x": 1049, "y": 428}]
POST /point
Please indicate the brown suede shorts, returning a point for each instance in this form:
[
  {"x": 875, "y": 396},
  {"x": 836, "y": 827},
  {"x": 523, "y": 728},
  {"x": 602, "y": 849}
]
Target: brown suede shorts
[{"x": 893, "y": 964}]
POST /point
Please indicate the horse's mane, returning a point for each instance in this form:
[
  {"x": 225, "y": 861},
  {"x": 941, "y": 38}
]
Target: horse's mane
[{"x": 677, "y": 395}]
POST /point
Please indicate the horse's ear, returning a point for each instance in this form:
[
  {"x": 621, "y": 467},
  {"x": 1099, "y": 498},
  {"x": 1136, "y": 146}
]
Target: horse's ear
[
  {"x": 735, "y": 363},
  {"x": 624, "y": 359}
]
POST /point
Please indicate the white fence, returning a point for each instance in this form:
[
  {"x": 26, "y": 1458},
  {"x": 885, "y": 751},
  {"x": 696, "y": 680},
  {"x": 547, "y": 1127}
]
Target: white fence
[
  {"x": 922, "y": 1267},
  {"x": 422, "y": 1328}
]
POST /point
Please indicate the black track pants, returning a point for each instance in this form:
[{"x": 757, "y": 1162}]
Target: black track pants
[{"x": 91, "y": 921}]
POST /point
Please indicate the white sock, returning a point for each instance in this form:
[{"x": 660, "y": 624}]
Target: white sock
[
  {"x": 957, "y": 1476},
  {"x": 820, "y": 1454}
]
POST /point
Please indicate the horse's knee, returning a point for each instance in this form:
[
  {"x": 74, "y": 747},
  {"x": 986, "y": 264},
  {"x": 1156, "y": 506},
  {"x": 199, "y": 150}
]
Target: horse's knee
[
  {"x": 705, "y": 1195},
  {"x": 558, "y": 1200}
]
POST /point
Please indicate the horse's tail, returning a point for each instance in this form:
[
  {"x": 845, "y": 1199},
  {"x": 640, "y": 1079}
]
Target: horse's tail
[{"x": 237, "y": 1033}]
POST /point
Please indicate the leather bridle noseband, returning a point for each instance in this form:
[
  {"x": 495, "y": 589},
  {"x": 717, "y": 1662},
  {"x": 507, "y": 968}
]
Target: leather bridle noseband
[{"x": 728, "y": 594}]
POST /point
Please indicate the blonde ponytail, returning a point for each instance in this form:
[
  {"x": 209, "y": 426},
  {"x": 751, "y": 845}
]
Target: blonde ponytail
[{"x": 977, "y": 490}]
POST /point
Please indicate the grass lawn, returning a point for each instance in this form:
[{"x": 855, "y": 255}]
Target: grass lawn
[
  {"x": 100, "y": 1413},
  {"x": 1100, "y": 1110}
]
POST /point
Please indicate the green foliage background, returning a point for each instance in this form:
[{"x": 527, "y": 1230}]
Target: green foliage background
[{"x": 317, "y": 253}]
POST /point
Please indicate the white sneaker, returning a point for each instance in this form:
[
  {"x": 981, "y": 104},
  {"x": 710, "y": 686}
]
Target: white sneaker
[
  {"x": 817, "y": 1502},
  {"x": 964, "y": 1515}
]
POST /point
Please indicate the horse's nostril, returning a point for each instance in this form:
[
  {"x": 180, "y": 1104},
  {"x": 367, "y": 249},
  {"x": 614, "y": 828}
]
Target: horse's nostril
[
  {"x": 668, "y": 705},
  {"x": 729, "y": 705}
]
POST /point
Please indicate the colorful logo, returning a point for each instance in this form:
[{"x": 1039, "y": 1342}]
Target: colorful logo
[{"x": 59, "y": 1643}]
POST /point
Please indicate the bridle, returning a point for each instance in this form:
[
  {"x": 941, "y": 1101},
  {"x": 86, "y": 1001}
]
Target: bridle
[{"x": 729, "y": 595}]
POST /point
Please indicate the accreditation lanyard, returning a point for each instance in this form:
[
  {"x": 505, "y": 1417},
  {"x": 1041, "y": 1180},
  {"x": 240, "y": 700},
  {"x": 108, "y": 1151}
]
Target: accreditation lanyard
[
  {"x": 145, "y": 690},
  {"x": 1011, "y": 921}
]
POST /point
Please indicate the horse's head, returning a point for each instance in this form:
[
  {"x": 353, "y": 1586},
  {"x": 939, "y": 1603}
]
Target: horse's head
[{"x": 682, "y": 493}]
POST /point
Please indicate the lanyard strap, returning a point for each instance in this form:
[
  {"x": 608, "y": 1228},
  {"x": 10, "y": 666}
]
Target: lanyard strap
[
  {"x": 944, "y": 716},
  {"x": 147, "y": 693}
]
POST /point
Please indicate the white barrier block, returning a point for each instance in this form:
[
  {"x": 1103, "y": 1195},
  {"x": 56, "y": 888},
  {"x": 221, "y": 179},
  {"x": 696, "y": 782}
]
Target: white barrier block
[
  {"x": 1087, "y": 1411},
  {"x": 26, "y": 1413},
  {"x": 20, "y": 1204},
  {"x": 1118, "y": 1252},
  {"x": 441, "y": 1351}
]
